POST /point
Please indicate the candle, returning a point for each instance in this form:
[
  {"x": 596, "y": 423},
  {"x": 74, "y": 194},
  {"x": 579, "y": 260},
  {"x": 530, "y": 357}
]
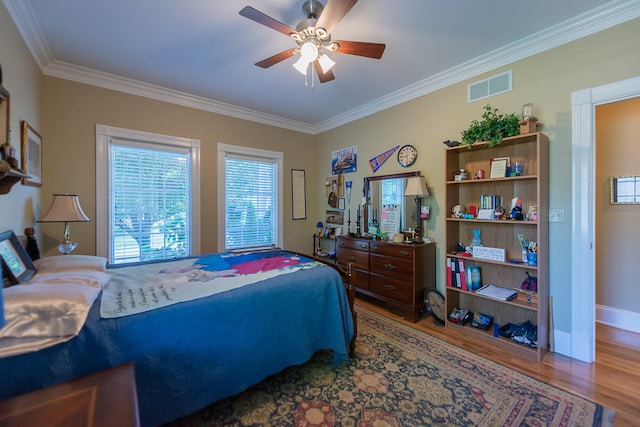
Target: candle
[
  {"x": 358, "y": 211},
  {"x": 349, "y": 215}
]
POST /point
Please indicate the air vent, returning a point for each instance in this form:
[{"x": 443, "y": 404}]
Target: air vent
[{"x": 488, "y": 87}]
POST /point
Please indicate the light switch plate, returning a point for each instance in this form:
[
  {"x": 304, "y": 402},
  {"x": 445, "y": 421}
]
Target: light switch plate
[{"x": 556, "y": 215}]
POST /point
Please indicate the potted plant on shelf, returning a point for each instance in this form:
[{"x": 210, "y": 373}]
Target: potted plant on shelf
[{"x": 492, "y": 128}]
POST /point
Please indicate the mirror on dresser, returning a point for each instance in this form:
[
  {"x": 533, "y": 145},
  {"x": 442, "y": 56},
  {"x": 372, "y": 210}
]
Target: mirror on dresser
[{"x": 387, "y": 205}]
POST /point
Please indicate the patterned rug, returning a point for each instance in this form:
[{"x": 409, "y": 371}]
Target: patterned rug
[{"x": 400, "y": 377}]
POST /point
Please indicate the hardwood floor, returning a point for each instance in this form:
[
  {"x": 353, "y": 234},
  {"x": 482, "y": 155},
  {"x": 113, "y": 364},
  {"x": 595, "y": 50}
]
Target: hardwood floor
[{"x": 612, "y": 381}]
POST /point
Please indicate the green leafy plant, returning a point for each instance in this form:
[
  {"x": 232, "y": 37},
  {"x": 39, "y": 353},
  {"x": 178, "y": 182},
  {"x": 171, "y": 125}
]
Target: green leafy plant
[{"x": 492, "y": 128}]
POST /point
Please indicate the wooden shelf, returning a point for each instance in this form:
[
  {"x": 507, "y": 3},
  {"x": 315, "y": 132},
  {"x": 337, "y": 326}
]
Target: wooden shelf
[
  {"x": 489, "y": 180},
  {"x": 532, "y": 188},
  {"x": 9, "y": 178},
  {"x": 522, "y": 265},
  {"x": 515, "y": 302}
]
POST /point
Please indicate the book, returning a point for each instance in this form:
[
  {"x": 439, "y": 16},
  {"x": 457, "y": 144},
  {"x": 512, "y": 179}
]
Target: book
[
  {"x": 449, "y": 283},
  {"x": 482, "y": 321},
  {"x": 460, "y": 316},
  {"x": 497, "y": 292},
  {"x": 474, "y": 278}
]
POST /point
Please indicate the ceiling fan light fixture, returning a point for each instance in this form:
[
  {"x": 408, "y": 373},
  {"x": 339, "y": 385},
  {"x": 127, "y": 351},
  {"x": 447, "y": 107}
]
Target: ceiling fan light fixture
[
  {"x": 326, "y": 63},
  {"x": 301, "y": 65},
  {"x": 309, "y": 52}
]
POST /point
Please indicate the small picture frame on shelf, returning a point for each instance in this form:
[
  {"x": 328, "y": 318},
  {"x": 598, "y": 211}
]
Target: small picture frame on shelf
[{"x": 498, "y": 168}]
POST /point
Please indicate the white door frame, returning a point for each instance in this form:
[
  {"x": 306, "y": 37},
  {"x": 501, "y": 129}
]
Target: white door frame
[{"x": 583, "y": 286}]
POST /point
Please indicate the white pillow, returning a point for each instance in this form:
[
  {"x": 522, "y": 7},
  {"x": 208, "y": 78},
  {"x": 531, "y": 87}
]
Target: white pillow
[
  {"x": 96, "y": 279},
  {"x": 60, "y": 263},
  {"x": 46, "y": 310}
]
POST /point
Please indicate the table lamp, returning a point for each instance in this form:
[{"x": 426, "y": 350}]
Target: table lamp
[
  {"x": 417, "y": 186},
  {"x": 65, "y": 208}
]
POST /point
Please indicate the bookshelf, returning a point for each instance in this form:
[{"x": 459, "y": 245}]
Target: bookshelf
[{"x": 532, "y": 188}]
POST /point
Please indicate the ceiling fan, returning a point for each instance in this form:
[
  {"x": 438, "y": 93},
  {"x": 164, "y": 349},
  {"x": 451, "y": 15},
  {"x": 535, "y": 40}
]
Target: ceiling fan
[{"x": 313, "y": 36}]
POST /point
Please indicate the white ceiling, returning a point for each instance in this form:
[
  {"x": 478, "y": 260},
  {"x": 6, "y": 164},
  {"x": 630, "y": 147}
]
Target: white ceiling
[{"x": 201, "y": 53}]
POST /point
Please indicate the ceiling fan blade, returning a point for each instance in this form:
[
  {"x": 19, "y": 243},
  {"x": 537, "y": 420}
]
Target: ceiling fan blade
[
  {"x": 261, "y": 18},
  {"x": 370, "y": 50},
  {"x": 323, "y": 77},
  {"x": 273, "y": 60},
  {"x": 333, "y": 13}
]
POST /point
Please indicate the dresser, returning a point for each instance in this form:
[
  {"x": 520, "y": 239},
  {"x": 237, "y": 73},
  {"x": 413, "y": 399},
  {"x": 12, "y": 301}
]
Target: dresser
[{"x": 395, "y": 273}]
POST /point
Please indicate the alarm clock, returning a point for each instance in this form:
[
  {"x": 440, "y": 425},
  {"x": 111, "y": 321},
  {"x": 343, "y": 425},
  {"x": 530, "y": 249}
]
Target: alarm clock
[{"x": 407, "y": 155}]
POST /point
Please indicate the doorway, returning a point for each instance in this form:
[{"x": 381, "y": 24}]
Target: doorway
[{"x": 583, "y": 302}]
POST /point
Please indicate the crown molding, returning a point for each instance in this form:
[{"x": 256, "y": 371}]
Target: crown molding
[
  {"x": 598, "y": 19},
  {"x": 92, "y": 77},
  {"x": 593, "y": 21}
]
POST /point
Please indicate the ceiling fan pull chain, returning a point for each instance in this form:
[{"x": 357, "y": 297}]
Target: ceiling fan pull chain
[{"x": 313, "y": 80}]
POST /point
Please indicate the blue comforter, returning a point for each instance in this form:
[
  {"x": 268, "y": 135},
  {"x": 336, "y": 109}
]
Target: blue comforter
[{"x": 191, "y": 354}]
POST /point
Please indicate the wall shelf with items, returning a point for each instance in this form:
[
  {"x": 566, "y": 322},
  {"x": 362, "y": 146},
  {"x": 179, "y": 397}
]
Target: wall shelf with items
[
  {"x": 531, "y": 187},
  {"x": 8, "y": 178}
]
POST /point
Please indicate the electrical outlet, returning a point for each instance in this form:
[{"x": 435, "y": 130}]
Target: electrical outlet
[{"x": 556, "y": 215}]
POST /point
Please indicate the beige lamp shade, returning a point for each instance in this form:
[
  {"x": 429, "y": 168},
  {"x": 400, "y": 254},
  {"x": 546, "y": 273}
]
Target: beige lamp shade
[
  {"x": 65, "y": 208},
  {"x": 416, "y": 186}
]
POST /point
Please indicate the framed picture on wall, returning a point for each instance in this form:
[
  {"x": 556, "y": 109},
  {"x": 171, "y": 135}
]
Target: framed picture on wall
[{"x": 31, "y": 155}]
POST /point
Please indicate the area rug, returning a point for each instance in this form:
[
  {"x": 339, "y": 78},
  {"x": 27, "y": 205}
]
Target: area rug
[{"x": 400, "y": 377}]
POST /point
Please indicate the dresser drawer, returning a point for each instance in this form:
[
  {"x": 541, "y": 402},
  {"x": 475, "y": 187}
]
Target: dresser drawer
[
  {"x": 403, "y": 251},
  {"x": 390, "y": 266},
  {"x": 397, "y": 289},
  {"x": 361, "y": 279},
  {"x": 359, "y": 259},
  {"x": 361, "y": 245}
]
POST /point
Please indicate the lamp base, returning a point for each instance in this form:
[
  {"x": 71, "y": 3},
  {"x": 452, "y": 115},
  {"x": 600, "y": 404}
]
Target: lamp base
[{"x": 67, "y": 248}]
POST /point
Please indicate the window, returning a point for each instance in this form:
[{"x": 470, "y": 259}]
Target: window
[
  {"x": 250, "y": 201},
  {"x": 148, "y": 196}
]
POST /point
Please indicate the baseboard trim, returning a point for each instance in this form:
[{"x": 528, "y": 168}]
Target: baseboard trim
[{"x": 623, "y": 319}]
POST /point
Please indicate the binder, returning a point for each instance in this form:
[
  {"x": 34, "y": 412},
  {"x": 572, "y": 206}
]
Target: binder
[{"x": 463, "y": 274}]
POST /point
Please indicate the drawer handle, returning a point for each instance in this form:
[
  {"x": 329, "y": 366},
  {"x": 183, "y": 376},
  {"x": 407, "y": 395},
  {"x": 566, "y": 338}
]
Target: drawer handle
[
  {"x": 404, "y": 253},
  {"x": 363, "y": 246},
  {"x": 352, "y": 258},
  {"x": 390, "y": 287},
  {"x": 389, "y": 267},
  {"x": 375, "y": 248}
]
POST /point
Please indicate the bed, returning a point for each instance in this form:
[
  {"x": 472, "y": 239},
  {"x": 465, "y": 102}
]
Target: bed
[{"x": 192, "y": 353}]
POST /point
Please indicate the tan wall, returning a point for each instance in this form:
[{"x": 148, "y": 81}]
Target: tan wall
[
  {"x": 22, "y": 78},
  {"x": 71, "y": 111},
  {"x": 617, "y": 230},
  {"x": 547, "y": 80}
]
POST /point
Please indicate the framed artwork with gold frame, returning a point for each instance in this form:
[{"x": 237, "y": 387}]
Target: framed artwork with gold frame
[{"x": 31, "y": 154}]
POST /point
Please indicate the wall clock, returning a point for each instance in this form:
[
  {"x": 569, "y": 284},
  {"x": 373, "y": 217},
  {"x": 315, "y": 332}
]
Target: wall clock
[
  {"x": 407, "y": 155},
  {"x": 434, "y": 302}
]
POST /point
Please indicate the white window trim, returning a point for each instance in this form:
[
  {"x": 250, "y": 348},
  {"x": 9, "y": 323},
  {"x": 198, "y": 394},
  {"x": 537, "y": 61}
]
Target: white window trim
[
  {"x": 223, "y": 149},
  {"x": 103, "y": 133}
]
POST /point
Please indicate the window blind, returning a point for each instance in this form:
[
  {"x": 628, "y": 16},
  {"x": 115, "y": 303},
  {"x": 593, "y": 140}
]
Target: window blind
[
  {"x": 250, "y": 202},
  {"x": 150, "y": 203}
]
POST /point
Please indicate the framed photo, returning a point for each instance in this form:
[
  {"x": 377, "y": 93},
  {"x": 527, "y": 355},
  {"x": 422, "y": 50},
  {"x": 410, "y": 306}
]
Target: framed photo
[
  {"x": 498, "y": 168},
  {"x": 31, "y": 155},
  {"x": 341, "y": 203},
  {"x": 334, "y": 217},
  {"x": 298, "y": 194},
  {"x": 16, "y": 263}
]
